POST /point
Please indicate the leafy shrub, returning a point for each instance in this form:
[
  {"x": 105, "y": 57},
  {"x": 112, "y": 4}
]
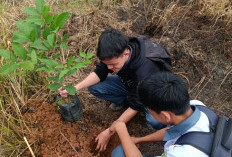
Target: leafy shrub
[{"x": 36, "y": 46}]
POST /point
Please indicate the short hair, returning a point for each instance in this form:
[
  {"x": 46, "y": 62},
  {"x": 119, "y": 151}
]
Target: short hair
[
  {"x": 164, "y": 91},
  {"x": 111, "y": 43}
]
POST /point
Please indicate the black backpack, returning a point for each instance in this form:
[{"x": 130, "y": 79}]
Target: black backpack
[
  {"x": 217, "y": 142},
  {"x": 156, "y": 53}
]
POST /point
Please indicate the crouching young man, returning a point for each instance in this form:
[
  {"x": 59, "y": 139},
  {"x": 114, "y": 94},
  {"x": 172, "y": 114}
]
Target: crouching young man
[{"x": 166, "y": 97}]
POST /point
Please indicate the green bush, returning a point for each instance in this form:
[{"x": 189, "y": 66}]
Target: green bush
[{"x": 36, "y": 46}]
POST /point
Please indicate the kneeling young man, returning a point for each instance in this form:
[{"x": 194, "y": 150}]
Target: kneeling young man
[{"x": 166, "y": 97}]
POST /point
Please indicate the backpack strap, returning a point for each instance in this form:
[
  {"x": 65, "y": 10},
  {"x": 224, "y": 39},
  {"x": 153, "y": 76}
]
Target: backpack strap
[
  {"x": 201, "y": 140},
  {"x": 212, "y": 116}
]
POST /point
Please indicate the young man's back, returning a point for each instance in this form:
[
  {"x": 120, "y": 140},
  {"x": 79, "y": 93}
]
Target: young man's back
[{"x": 201, "y": 124}]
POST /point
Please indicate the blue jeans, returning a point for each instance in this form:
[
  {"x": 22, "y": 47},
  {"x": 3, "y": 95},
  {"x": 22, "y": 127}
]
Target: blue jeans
[
  {"x": 112, "y": 89},
  {"x": 151, "y": 122},
  {"x": 119, "y": 152}
]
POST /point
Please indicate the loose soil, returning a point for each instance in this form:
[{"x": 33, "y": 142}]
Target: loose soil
[
  {"x": 57, "y": 137},
  {"x": 202, "y": 54}
]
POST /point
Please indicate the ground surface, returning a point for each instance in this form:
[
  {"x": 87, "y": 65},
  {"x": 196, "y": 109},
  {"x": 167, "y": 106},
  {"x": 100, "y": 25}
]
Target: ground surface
[
  {"x": 60, "y": 138},
  {"x": 201, "y": 50}
]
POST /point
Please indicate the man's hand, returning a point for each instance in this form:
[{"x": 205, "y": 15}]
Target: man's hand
[
  {"x": 102, "y": 139},
  {"x": 63, "y": 92}
]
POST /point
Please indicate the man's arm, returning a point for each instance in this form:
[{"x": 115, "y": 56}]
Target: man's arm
[
  {"x": 104, "y": 137},
  {"x": 128, "y": 145},
  {"x": 127, "y": 115},
  {"x": 154, "y": 137},
  {"x": 90, "y": 80}
]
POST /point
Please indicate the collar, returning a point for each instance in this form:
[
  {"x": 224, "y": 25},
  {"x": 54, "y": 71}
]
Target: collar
[
  {"x": 180, "y": 129},
  {"x": 128, "y": 58}
]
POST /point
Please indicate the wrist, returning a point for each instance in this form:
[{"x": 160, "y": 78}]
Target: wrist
[
  {"x": 110, "y": 132},
  {"x": 77, "y": 87},
  {"x": 138, "y": 140}
]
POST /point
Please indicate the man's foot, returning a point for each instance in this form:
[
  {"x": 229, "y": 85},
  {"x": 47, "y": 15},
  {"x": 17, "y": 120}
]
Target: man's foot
[{"x": 115, "y": 107}]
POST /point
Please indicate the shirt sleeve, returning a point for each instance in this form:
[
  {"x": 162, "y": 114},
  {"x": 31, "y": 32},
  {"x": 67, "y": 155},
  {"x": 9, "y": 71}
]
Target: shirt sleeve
[{"x": 102, "y": 71}]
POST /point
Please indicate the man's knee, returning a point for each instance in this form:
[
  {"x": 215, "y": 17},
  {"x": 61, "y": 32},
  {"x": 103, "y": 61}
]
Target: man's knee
[
  {"x": 95, "y": 90},
  {"x": 118, "y": 152},
  {"x": 91, "y": 89}
]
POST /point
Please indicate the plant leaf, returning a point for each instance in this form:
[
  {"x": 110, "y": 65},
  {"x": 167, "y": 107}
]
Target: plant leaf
[
  {"x": 8, "y": 68},
  {"x": 65, "y": 38},
  {"x": 54, "y": 78},
  {"x": 60, "y": 20},
  {"x": 36, "y": 20},
  {"x": 24, "y": 26},
  {"x": 31, "y": 11},
  {"x": 64, "y": 46},
  {"x": 49, "y": 62},
  {"x": 46, "y": 10},
  {"x": 78, "y": 60},
  {"x": 79, "y": 65},
  {"x": 39, "y": 5},
  {"x": 51, "y": 39},
  {"x": 46, "y": 32},
  {"x": 42, "y": 69},
  {"x": 31, "y": 30},
  {"x": 72, "y": 71},
  {"x": 54, "y": 86},
  {"x": 33, "y": 57},
  {"x": 63, "y": 73},
  {"x": 70, "y": 61},
  {"x": 47, "y": 45},
  {"x": 59, "y": 66},
  {"x": 71, "y": 89},
  {"x": 59, "y": 39},
  {"x": 6, "y": 53},
  {"x": 56, "y": 56},
  {"x": 20, "y": 37},
  {"x": 82, "y": 54},
  {"x": 19, "y": 50},
  {"x": 37, "y": 30},
  {"x": 38, "y": 45},
  {"x": 48, "y": 19},
  {"x": 90, "y": 55},
  {"x": 27, "y": 65},
  {"x": 88, "y": 61},
  {"x": 51, "y": 70},
  {"x": 32, "y": 35}
]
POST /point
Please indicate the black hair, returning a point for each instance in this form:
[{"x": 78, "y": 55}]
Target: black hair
[
  {"x": 164, "y": 91},
  {"x": 111, "y": 43}
]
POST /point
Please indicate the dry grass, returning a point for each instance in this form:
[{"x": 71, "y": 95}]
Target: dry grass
[
  {"x": 218, "y": 9},
  {"x": 12, "y": 126},
  {"x": 15, "y": 94}
]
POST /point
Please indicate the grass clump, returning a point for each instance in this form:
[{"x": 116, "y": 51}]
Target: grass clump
[{"x": 218, "y": 9}]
